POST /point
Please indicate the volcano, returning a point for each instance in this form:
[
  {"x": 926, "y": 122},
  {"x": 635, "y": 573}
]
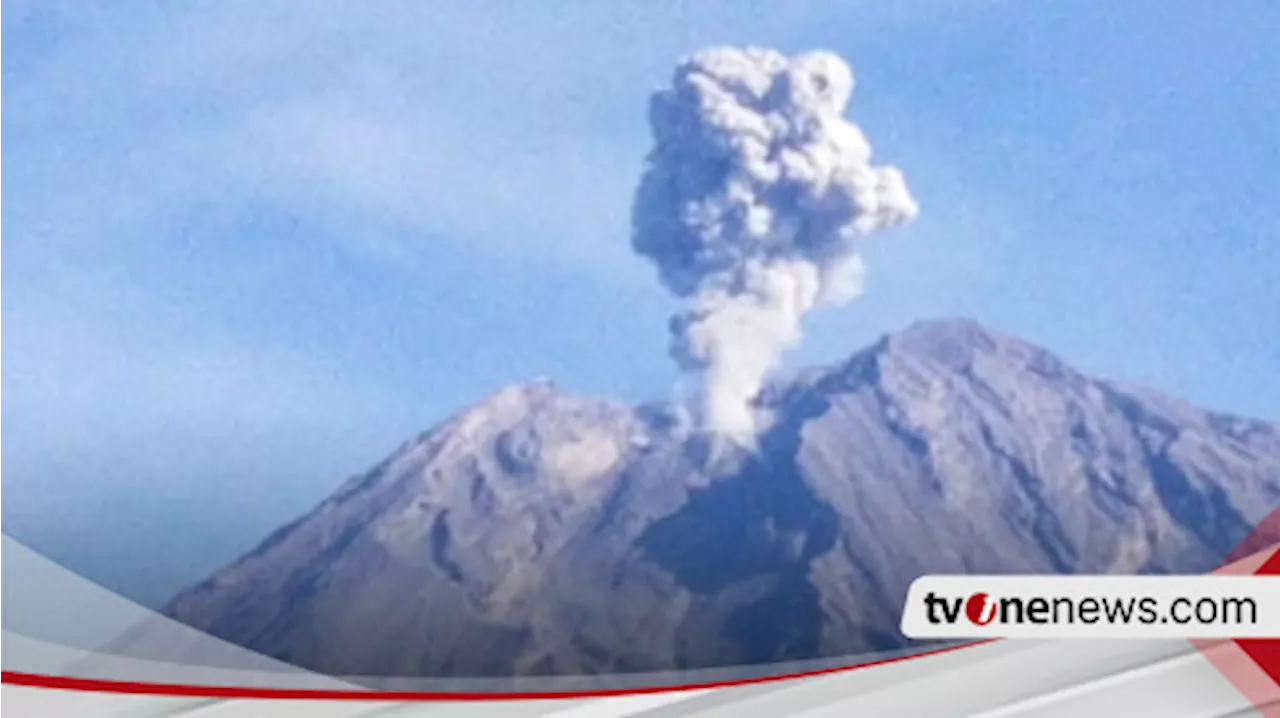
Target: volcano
[{"x": 541, "y": 532}]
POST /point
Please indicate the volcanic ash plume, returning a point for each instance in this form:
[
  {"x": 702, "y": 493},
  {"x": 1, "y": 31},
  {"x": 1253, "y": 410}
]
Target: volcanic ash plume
[{"x": 752, "y": 202}]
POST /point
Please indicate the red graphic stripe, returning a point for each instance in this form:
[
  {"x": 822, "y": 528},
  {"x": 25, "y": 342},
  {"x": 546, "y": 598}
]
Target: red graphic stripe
[
  {"x": 197, "y": 691},
  {"x": 1266, "y": 651},
  {"x": 1253, "y": 665}
]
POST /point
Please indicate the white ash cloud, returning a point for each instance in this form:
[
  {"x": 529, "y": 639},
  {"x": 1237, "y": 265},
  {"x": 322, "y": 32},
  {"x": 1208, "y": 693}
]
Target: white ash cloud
[{"x": 754, "y": 197}]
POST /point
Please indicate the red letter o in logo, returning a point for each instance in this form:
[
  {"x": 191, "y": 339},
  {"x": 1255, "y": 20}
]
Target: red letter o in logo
[{"x": 979, "y": 609}]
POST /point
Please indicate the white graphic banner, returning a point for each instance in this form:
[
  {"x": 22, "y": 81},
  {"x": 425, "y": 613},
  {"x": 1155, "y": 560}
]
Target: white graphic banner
[{"x": 1093, "y": 607}]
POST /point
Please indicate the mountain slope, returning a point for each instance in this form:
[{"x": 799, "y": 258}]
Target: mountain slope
[{"x": 542, "y": 532}]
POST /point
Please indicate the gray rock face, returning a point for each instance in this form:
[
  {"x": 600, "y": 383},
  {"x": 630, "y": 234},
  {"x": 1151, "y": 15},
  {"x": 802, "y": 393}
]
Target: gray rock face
[{"x": 541, "y": 532}]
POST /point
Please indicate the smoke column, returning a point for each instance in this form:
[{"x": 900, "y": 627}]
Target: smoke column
[{"x": 753, "y": 199}]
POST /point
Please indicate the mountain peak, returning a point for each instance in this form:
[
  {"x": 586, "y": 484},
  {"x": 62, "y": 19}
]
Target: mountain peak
[
  {"x": 961, "y": 344},
  {"x": 534, "y": 390},
  {"x": 948, "y": 337},
  {"x": 946, "y": 326},
  {"x": 519, "y": 400}
]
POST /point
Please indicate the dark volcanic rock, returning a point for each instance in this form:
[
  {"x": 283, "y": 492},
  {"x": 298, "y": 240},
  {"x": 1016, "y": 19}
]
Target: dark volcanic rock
[{"x": 542, "y": 532}]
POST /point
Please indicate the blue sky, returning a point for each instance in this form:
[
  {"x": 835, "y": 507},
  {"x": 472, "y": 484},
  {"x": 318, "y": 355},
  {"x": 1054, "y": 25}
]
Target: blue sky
[{"x": 255, "y": 246}]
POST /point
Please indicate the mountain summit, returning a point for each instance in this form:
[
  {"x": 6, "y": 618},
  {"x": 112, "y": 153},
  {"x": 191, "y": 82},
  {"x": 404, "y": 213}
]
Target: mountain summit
[{"x": 543, "y": 532}]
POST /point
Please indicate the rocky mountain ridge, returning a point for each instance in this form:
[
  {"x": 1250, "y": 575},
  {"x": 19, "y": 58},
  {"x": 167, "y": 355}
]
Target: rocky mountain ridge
[{"x": 543, "y": 532}]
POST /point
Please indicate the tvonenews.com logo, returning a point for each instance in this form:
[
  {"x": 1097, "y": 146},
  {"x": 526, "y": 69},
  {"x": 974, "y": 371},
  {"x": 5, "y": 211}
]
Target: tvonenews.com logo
[
  {"x": 1093, "y": 607},
  {"x": 982, "y": 609}
]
